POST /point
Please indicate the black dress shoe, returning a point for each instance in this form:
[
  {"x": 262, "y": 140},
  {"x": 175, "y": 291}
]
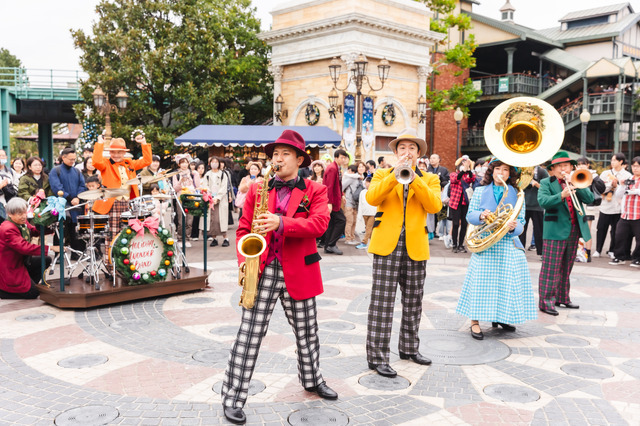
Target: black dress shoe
[
  {"x": 454, "y": 249},
  {"x": 235, "y": 415},
  {"x": 323, "y": 391},
  {"x": 384, "y": 370},
  {"x": 213, "y": 243},
  {"x": 461, "y": 249},
  {"x": 531, "y": 247},
  {"x": 506, "y": 327},
  {"x": 550, "y": 312},
  {"x": 568, "y": 305},
  {"x": 225, "y": 243},
  {"x": 417, "y": 358},
  {"x": 332, "y": 249},
  {"x": 477, "y": 336}
]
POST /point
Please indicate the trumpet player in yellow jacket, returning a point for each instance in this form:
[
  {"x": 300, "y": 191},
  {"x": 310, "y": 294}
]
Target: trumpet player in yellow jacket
[{"x": 404, "y": 196}]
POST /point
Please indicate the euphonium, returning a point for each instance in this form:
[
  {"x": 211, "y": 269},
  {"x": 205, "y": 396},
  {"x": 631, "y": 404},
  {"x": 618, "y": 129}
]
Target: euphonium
[{"x": 252, "y": 245}]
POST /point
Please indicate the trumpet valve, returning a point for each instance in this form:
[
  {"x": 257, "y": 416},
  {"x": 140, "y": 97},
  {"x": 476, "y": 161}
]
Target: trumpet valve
[{"x": 490, "y": 218}]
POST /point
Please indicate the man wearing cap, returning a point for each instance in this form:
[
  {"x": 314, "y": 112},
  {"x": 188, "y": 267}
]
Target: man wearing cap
[
  {"x": 564, "y": 224},
  {"x": 289, "y": 271},
  {"x": 115, "y": 172},
  {"x": 400, "y": 247}
]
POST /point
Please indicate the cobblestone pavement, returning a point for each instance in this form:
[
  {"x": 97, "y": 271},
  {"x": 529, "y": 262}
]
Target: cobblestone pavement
[{"x": 161, "y": 361}]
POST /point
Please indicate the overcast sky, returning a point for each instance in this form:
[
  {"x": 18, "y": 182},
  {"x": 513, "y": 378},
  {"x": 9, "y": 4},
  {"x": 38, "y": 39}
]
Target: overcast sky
[{"x": 37, "y": 31}]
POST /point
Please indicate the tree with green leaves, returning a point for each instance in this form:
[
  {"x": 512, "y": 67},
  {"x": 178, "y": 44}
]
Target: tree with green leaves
[
  {"x": 182, "y": 63},
  {"x": 8, "y": 60},
  {"x": 461, "y": 56}
]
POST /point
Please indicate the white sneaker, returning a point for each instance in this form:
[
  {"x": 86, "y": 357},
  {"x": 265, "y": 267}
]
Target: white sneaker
[
  {"x": 195, "y": 239},
  {"x": 352, "y": 243},
  {"x": 187, "y": 244},
  {"x": 595, "y": 254},
  {"x": 611, "y": 255}
]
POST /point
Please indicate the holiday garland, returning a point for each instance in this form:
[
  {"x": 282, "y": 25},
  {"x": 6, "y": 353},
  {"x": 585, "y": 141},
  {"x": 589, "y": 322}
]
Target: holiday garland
[
  {"x": 193, "y": 204},
  {"x": 388, "y": 115},
  {"x": 44, "y": 216},
  {"x": 121, "y": 249}
]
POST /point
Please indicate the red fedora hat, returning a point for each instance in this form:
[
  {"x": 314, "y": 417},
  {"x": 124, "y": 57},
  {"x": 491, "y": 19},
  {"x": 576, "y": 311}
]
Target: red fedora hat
[{"x": 294, "y": 140}]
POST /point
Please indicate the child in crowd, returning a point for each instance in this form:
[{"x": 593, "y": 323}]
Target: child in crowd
[
  {"x": 162, "y": 206},
  {"x": 92, "y": 183},
  {"x": 368, "y": 213}
]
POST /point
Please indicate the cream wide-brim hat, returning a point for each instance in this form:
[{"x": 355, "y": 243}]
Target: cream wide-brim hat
[
  {"x": 552, "y": 134},
  {"x": 412, "y": 136}
]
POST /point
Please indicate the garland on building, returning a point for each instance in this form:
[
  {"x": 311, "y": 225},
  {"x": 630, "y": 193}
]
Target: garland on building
[
  {"x": 388, "y": 114},
  {"x": 312, "y": 114},
  {"x": 121, "y": 250}
]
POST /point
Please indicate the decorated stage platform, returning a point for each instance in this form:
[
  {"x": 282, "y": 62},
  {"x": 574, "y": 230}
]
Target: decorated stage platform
[{"x": 78, "y": 294}]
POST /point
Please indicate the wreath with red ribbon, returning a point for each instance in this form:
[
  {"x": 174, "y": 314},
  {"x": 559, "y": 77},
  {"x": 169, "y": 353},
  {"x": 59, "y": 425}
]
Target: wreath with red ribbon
[{"x": 122, "y": 246}]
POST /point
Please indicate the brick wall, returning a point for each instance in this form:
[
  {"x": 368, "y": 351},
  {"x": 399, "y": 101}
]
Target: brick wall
[{"x": 443, "y": 140}]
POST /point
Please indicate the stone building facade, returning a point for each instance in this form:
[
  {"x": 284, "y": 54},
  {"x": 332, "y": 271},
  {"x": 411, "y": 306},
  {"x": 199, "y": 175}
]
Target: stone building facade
[{"x": 307, "y": 34}]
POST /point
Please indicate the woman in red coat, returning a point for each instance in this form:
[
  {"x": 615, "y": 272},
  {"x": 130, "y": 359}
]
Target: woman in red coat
[{"x": 18, "y": 281}]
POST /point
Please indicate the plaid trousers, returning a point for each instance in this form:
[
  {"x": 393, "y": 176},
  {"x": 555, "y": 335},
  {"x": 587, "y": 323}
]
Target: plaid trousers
[
  {"x": 557, "y": 262},
  {"x": 119, "y": 207},
  {"x": 255, "y": 322},
  {"x": 388, "y": 272}
]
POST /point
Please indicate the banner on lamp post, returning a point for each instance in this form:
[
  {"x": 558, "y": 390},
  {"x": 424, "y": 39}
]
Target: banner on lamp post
[
  {"x": 367, "y": 123},
  {"x": 349, "y": 124}
]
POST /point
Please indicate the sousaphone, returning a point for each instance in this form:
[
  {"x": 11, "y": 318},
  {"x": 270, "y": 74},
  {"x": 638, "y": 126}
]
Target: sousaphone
[{"x": 522, "y": 132}]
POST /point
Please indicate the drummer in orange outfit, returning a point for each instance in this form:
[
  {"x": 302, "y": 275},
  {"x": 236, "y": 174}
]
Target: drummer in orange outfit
[{"x": 115, "y": 171}]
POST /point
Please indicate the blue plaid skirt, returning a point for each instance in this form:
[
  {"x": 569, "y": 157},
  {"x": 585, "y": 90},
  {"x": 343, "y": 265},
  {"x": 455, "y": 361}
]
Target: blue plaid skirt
[{"x": 498, "y": 286}]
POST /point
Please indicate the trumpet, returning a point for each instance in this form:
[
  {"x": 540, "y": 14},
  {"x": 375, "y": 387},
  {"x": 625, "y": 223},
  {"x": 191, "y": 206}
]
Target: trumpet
[
  {"x": 578, "y": 179},
  {"x": 404, "y": 173}
]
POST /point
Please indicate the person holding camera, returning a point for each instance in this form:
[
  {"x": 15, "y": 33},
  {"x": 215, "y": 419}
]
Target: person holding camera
[
  {"x": 629, "y": 224},
  {"x": 460, "y": 190}
]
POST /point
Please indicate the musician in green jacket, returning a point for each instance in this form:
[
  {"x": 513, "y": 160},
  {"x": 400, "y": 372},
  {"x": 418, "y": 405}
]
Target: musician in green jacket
[{"x": 565, "y": 222}]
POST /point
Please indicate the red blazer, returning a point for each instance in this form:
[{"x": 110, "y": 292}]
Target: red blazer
[
  {"x": 14, "y": 277},
  {"x": 300, "y": 258},
  {"x": 331, "y": 179}
]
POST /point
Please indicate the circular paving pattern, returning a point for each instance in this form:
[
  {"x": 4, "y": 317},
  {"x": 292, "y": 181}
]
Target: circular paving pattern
[
  {"x": 572, "y": 342},
  {"x": 198, "y": 300},
  {"x": 211, "y": 356},
  {"x": 327, "y": 351},
  {"x": 445, "y": 298},
  {"x": 225, "y": 330},
  {"x": 255, "y": 387},
  {"x": 378, "y": 382},
  {"x": 337, "y": 326},
  {"x": 586, "y": 317},
  {"x": 454, "y": 348},
  {"x": 83, "y": 361},
  {"x": 587, "y": 371},
  {"x": 129, "y": 323},
  {"x": 321, "y": 301},
  {"x": 35, "y": 317},
  {"x": 318, "y": 416},
  {"x": 88, "y": 415},
  {"x": 511, "y": 393}
]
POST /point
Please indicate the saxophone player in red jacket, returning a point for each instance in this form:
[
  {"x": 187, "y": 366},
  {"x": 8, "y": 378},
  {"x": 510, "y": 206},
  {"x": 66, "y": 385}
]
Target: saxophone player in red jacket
[{"x": 289, "y": 271}]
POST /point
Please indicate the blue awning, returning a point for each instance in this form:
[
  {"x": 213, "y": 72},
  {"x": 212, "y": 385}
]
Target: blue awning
[{"x": 219, "y": 135}]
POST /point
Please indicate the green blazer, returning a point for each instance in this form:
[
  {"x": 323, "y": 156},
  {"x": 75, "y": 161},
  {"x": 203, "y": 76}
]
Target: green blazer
[
  {"x": 557, "y": 222},
  {"x": 28, "y": 187}
]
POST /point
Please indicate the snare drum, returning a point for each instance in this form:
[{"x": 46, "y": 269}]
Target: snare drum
[
  {"x": 142, "y": 203},
  {"x": 100, "y": 224},
  {"x": 126, "y": 216}
]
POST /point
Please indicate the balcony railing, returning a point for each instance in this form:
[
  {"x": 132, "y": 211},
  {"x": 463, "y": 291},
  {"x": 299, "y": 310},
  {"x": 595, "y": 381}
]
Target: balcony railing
[
  {"x": 600, "y": 103},
  {"x": 513, "y": 83},
  {"x": 42, "y": 83}
]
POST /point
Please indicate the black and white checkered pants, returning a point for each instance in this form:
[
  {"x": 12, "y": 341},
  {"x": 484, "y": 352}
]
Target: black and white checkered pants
[
  {"x": 255, "y": 322},
  {"x": 388, "y": 272}
]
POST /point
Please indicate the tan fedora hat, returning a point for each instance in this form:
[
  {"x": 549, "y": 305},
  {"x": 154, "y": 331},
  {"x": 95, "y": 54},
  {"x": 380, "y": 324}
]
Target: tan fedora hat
[
  {"x": 412, "y": 136},
  {"x": 117, "y": 144}
]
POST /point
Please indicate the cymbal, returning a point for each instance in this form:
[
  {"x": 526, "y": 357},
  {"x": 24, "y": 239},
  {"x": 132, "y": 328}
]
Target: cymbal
[
  {"x": 115, "y": 192},
  {"x": 92, "y": 194},
  {"x": 162, "y": 196},
  {"x": 140, "y": 180},
  {"x": 160, "y": 177}
]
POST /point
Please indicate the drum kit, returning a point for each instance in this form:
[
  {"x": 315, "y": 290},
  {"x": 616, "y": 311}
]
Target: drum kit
[{"x": 94, "y": 227}]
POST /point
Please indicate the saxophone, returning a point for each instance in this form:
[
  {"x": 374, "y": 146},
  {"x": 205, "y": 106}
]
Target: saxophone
[{"x": 252, "y": 245}]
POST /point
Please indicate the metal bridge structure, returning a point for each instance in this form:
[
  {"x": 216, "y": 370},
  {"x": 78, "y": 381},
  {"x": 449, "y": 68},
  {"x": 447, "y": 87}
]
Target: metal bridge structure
[{"x": 38, "y": 96}]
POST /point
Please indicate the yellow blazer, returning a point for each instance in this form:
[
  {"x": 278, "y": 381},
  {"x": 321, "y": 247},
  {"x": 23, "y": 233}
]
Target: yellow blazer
[{"x": 386, "y": 193}]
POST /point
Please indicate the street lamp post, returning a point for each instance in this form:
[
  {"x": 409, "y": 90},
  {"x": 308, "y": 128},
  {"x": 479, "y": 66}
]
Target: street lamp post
[
  {"x": 458, "y": 116},
  {"x": 101, "y": 102},
  {"x": 584, "y": 119},
  {"x": 358, "y": 77}
]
